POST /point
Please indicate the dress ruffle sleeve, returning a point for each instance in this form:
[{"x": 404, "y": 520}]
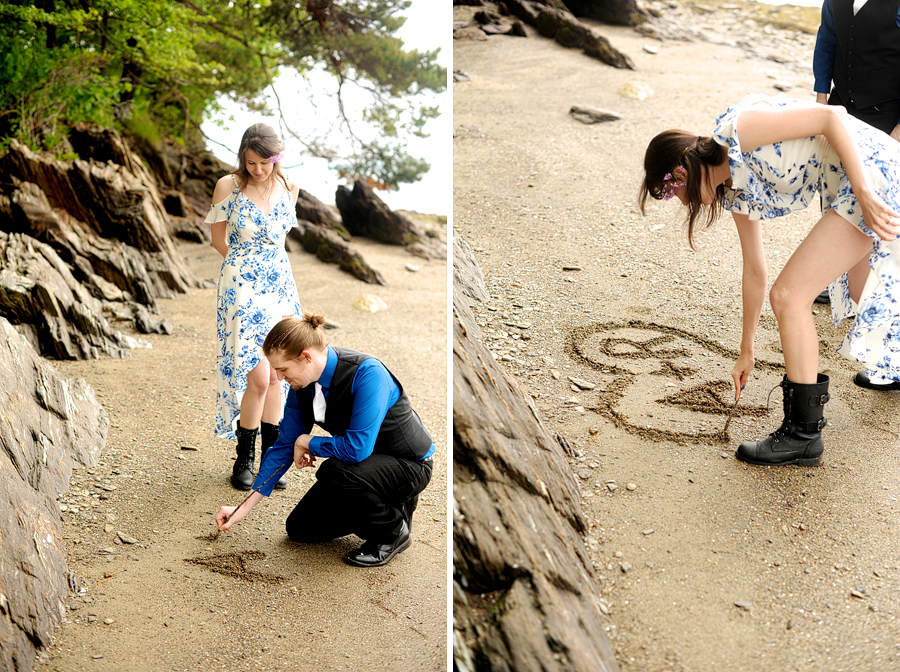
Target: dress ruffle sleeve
[
  {"x": 771, "y": 180},
  {"x": 218, "y": 212}
]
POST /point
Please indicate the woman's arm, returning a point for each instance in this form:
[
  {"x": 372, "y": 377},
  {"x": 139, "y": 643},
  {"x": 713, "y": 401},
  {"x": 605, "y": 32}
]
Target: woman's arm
[
  {"x": 294, "y": 188},
  {"x": 754, "y": 282},
  {"x": 763, "y": 125},
  {"x": 237, "y": 513},
  {"x": 224, "y": 187}
]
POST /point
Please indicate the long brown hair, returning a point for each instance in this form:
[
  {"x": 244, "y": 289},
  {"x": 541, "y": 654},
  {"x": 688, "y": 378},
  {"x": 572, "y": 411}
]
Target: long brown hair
[
  {"x": 697, "y": 155},
  {"x": 292, "y": 335},
  {"x": 263, "y": 140}
]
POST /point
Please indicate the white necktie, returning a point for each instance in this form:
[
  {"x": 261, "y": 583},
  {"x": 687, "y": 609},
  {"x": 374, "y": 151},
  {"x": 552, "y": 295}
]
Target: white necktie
[
  {"x": 857, "y": 5},
  {"x": 319, "y": 404}
]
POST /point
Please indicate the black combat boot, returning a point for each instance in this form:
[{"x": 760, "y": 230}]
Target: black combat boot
[
  {"x": 268, "y": 437},
  {"x": 799, "y": 439},
  {"x": 242, "y": 473}
]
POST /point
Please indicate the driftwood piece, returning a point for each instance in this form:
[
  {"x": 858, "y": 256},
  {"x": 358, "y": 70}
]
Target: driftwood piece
[
  {"x": 329, "y": 247},
  {"x": 525, "y": 597},
  {"x": 47, "y": 423}
]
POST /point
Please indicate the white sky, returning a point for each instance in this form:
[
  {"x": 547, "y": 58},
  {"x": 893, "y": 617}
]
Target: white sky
[{"x": 428, "y": 26}]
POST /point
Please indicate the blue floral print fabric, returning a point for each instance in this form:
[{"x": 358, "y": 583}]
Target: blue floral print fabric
[
  {"x": 256, "y": 290},
  {"x": 785, "y": 176}
]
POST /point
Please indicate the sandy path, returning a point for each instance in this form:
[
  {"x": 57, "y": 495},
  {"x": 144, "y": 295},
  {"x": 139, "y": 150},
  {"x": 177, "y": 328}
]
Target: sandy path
[
  {"x": 278, "y": 606},
  {"x": 709, "y": 564}
]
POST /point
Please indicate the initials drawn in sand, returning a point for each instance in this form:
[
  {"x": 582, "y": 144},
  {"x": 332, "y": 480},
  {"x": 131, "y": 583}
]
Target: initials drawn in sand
[
  {"x": 238, "y": 565},
  {"x": 663, "y": 383}
]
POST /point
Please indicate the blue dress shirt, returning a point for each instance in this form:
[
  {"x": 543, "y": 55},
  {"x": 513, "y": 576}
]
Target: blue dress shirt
[{"x": 374, "y": 392}]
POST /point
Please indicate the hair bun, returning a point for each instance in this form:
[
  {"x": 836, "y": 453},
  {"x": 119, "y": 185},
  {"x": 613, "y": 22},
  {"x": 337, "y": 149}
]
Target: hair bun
[{"x": 315, "y": 320}]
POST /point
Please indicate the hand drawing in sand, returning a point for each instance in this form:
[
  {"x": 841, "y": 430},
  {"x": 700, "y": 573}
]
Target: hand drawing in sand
[{"x": 665, "y": 383}]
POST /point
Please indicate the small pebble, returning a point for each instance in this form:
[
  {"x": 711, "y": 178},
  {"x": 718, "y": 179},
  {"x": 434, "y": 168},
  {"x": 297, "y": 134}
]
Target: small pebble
[
  {"x": 412, "y": 268},
  {"x": 631, "y": 487},
  {"x": 109, "y": 621},
  {"x": 584, "y": 473},
  {"x": 98, "y": 656},
  {"x": 648, "y": 532},
  {"x": 746, "y": 606}
]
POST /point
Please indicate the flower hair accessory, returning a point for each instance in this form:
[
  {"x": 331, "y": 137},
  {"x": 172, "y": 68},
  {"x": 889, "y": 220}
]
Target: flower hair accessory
[
  {"x": 669, "y": 185},
  {"x": 275, "y": 158}
]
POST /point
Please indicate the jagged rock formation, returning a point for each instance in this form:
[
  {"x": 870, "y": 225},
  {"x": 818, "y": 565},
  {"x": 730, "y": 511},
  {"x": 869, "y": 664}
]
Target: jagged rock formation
[
  {"x": 329, "y": 247},
  {"x": 364, "y": 214},
  {"x": 47, "y": 423},
  {"x": 524, "y": 591},
  {"x": 552, "y": 19}
]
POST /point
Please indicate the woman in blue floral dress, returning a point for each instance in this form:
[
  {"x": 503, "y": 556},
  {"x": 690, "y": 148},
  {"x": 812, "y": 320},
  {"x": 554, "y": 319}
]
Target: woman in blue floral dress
[
  {"x": 767, "y": 157},
  {"x": 252, "y": 212}
]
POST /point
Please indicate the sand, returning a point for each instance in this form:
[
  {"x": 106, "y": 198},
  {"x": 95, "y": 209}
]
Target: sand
[
  {"x": 709, "y": 564},
  {"x": 249, "y": 599}
]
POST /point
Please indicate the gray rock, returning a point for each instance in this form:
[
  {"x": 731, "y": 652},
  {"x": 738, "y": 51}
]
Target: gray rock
[
  {"x": 592, "y": 115},
  {"x": 53, "y": 423},
  {"x": 518, "y": 529},
  {"x": 582, "y": 384},
  {"x": 365, "y": 214}
]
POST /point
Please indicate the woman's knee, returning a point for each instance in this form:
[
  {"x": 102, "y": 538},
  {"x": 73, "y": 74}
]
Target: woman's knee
[
  {"x": 785, "y": 300},
  {"x": 258, "y": 380}
]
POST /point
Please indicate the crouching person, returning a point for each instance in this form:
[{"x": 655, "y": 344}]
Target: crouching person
[{"x": 379, "y": 453}]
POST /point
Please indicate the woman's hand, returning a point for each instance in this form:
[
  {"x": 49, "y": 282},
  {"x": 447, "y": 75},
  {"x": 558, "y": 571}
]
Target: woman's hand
[
  {"x": 877, "y": 215},
  {"x": 223, "y": 514},
  {"x": 741, "y": 372}
]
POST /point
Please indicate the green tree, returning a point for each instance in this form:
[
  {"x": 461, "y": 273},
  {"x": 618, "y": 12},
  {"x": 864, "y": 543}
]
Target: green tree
[{"x": 156, "y": 68}]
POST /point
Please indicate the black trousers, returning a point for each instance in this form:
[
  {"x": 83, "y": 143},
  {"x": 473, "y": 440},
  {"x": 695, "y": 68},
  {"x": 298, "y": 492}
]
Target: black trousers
[
  {"x": 883, "y": 116},
  {"x": 361, "y": 498}
]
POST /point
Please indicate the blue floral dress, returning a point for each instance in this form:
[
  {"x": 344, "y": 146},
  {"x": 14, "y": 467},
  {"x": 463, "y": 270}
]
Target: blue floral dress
[
  {"x": 256, "y": 289},
  {"x": 785, "y": 176}
]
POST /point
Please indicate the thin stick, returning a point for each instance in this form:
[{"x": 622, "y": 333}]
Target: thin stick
[
  {"x": 730, "y": 414},
  {"x": 246, "y": 498}
]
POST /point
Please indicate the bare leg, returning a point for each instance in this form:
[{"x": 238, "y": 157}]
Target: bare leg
[
  {"x": 273, "y": 405},
  {"x": 254, "y": 398},
  {"x": 857, "y": 276},
  {"x": 831, "y": 248}
]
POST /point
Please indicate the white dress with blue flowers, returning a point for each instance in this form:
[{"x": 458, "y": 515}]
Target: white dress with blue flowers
[
  {"x": 256, "y": 289},
  {"x": 783, "y": 177}
]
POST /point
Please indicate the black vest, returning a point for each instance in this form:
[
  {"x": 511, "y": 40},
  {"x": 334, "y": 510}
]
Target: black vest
[
  {"x": 402, "y": 433},
  {"x": 867, "y": 57}
]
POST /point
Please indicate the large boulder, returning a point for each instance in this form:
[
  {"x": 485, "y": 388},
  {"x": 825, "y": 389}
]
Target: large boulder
[
  {"x": 365, "y": 214},
  {"x": 554, "y": 21},
  {"x": 525, "y": 595},
  {"x": 47, "y": 424}
]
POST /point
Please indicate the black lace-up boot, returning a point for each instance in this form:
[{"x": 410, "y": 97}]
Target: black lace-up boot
[
  {"x": 242, "y": 473},
  {"x": 799, "y": 439},
  {"x": 268, "y": 437}
]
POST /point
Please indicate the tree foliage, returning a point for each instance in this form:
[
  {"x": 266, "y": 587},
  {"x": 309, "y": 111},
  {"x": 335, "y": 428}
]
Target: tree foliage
[{"x": 156, "y": 68}]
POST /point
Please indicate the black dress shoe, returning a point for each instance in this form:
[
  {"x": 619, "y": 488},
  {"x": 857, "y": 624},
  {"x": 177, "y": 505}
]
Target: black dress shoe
[
  {"x": 862, "y": 380},
  {"x": 376, "y": 554}
]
